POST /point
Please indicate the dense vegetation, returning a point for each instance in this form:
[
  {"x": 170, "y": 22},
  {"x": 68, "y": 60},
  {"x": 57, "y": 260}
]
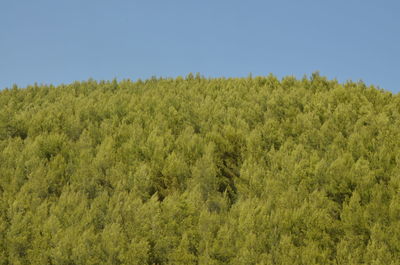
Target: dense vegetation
[{"x": 200, "y": 171}]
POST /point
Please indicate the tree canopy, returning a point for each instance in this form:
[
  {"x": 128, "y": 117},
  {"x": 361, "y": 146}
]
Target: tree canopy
[{"x": 192, "y": 170}]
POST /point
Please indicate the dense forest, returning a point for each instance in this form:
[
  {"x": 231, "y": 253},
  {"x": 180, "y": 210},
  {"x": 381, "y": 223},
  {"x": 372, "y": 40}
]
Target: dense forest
[{"x": 195, "y": 170}]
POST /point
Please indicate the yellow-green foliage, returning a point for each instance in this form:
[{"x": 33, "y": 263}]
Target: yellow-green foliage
[{"x": 200, "y": 171}]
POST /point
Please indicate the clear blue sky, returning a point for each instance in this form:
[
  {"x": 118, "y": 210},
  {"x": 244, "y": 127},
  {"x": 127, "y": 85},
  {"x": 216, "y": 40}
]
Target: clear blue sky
[{"x": 54, "y": 41}]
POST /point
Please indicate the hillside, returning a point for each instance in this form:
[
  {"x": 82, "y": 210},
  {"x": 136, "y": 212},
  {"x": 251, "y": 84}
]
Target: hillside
[{"x": 192, "y": 170}]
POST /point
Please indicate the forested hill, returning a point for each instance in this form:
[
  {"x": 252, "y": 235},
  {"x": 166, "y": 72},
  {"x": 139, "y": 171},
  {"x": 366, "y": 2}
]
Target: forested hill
[{"x": 192, "y": 170}]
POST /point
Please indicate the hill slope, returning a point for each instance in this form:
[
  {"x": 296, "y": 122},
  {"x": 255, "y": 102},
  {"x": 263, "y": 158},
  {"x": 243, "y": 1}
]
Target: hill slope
[{"x": 200, "y": 171}]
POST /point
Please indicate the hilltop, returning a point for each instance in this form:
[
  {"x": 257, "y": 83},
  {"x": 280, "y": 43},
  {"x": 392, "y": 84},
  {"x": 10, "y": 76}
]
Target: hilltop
[{"x": 192, "y": 170}]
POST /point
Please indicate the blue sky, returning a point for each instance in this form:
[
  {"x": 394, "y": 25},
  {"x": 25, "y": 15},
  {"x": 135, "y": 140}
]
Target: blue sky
[{"x": 54, "y": 41}]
